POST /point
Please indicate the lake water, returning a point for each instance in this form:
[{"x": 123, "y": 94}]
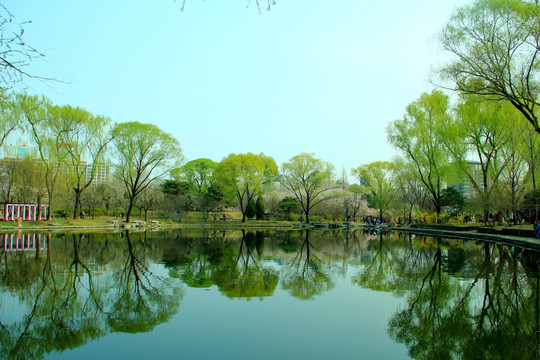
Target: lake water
[{"x": 209, "y": 294}]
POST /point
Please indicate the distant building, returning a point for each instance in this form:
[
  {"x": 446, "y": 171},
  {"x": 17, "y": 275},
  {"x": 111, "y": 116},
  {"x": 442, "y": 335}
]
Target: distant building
[
  {"x": 459, "y": 180},
  {"x": 21, "y": 150},
  {"x": 102, "y": 174}
]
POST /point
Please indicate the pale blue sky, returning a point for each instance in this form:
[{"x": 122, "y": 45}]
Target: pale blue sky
[{"x": 315, "y": 76}]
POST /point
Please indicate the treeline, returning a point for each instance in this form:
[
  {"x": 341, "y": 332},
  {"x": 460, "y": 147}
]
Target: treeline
[
  {"x": 484, "y": 139},
  {"x": 482, "y": 142}
]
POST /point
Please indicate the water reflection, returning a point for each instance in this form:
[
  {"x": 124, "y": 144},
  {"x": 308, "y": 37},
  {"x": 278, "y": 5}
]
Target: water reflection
[
  {"x": 460, "y": 299},
  {"x": 20, "y": 241},
  {"x": 82, "y": 287},
  {"x": 491, "y": 312},
  {"x": 304, "y": 276}
]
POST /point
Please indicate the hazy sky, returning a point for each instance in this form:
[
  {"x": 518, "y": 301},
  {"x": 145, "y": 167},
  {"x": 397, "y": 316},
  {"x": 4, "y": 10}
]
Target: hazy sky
[{"x": 320, "y": 76}]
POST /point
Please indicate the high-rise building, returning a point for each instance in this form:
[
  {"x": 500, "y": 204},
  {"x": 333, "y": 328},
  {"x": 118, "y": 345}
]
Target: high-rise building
[
  {"x": 459, "y": 179},
  {"x": 21, "y": 150},
  {"x": 102, "y": 173}
]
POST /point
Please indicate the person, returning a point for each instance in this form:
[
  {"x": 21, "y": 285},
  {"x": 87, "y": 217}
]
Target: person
[{"x": 537, "y": 229}]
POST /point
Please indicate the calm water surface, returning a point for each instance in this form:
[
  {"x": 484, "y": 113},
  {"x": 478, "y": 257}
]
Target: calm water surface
[{"x": 265, "y": 295}]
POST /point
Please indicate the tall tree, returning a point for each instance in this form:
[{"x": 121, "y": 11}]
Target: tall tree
[
  {"x": 44, "y": 126},
  {"x": 479, "y": 130},
  {"x": 244, "y": 174},
  {"x": 308, "y": 179},
  {"x": 411, "y": 191},
  {"x": 420, "y": 138},
  {"x": 377, "y": 182},
  {"x": 144, "y": 153},
  {"x": 530, "y": 150},
  {"x": 199, "y": 174},
  {"x": 495, "y": 48},
  {"x": 514, "y": 173},
  {"x": 83, "y": 138}
]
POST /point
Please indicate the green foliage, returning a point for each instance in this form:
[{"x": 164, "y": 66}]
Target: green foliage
[
  {"x": 377, "y": 182},
  {"x": 494, "y": 48},
  {"x": 309, "y": 180},
  {"x": 289, "y": 205},
  {"x": 242, "y": 176},
  {"x": 419, "y": 135},
  {"x": 529, "y": 205},
  {"x": 174, "y": 187},
  {"x": 144, "y": 153},
  {"x": 259, "y": 208},
  {"x": 251, "y": 210},
  {"x": 294, "y": 217},
  {"x": 453, "y": 199}
]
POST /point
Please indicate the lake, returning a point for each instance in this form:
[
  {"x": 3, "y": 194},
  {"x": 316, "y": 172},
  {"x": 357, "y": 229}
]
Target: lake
[{"x": 272, "y": 294}]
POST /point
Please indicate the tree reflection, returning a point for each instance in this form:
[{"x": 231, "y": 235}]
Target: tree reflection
[
  {"x": 242, "y": 275},
  {"x": 143, "y": 299},
  {"x": 304, "y": 277},
  {"x": 491, "y": 315},
  {"x": 72, "y": 299}
]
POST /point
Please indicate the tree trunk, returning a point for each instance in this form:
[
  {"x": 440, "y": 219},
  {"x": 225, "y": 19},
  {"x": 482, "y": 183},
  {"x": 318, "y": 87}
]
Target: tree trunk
[
  {"x": 77, "y": 203},
  {"x": 38, "y": 212},
  {"x": 130, "y": 207}
]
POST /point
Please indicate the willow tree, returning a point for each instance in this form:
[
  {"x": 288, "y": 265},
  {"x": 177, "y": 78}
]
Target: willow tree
[
  {"x": 476, "y": 139},
  {"x": 377, "y": 182},
  {"x": 82, "y": 139},
  {"x": 144, "y": 153},
  {"x": 420, "y": 137},
  {"x": 44, "y": 126},
  {"x": 495, "y": 53},
  {"x": 309, "y": 179},
  {"x": 244, "y": 175}
]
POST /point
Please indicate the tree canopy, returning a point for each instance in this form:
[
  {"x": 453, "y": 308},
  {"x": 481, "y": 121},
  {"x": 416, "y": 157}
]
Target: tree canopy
[
  {"x": 308, "y": 179},
  {"x": 244, "y": 174},
  {"x": 495, "y": 53},
  {"x": 144, "y": 153}
]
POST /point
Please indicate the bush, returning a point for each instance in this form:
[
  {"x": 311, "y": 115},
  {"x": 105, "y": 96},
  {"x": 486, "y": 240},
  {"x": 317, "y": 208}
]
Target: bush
[{"x": 293, "y": 217}]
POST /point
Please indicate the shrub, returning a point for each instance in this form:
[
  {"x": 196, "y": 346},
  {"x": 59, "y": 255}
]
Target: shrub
[{"x": 293, "y": 217}]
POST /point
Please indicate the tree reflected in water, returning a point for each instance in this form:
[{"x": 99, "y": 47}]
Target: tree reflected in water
[
  {"x": 459, "y": 299},
  {"x": 72, "y": 299},
  {"x": 303, "y": 276},
  {"x": 236, "y": 269},
  {"x": 243, "y": 276},
  {"x": 142, "y": 299},
  {"x": 492, "y": 313}
]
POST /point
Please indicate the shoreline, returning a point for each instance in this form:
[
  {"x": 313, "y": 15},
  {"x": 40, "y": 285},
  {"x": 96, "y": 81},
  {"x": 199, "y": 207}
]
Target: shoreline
[{"x": 524, "y": 239}]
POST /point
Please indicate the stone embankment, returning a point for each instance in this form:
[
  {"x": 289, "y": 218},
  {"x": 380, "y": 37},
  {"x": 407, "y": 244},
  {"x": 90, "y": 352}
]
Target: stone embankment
[{"x": 517, "y": 237}]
